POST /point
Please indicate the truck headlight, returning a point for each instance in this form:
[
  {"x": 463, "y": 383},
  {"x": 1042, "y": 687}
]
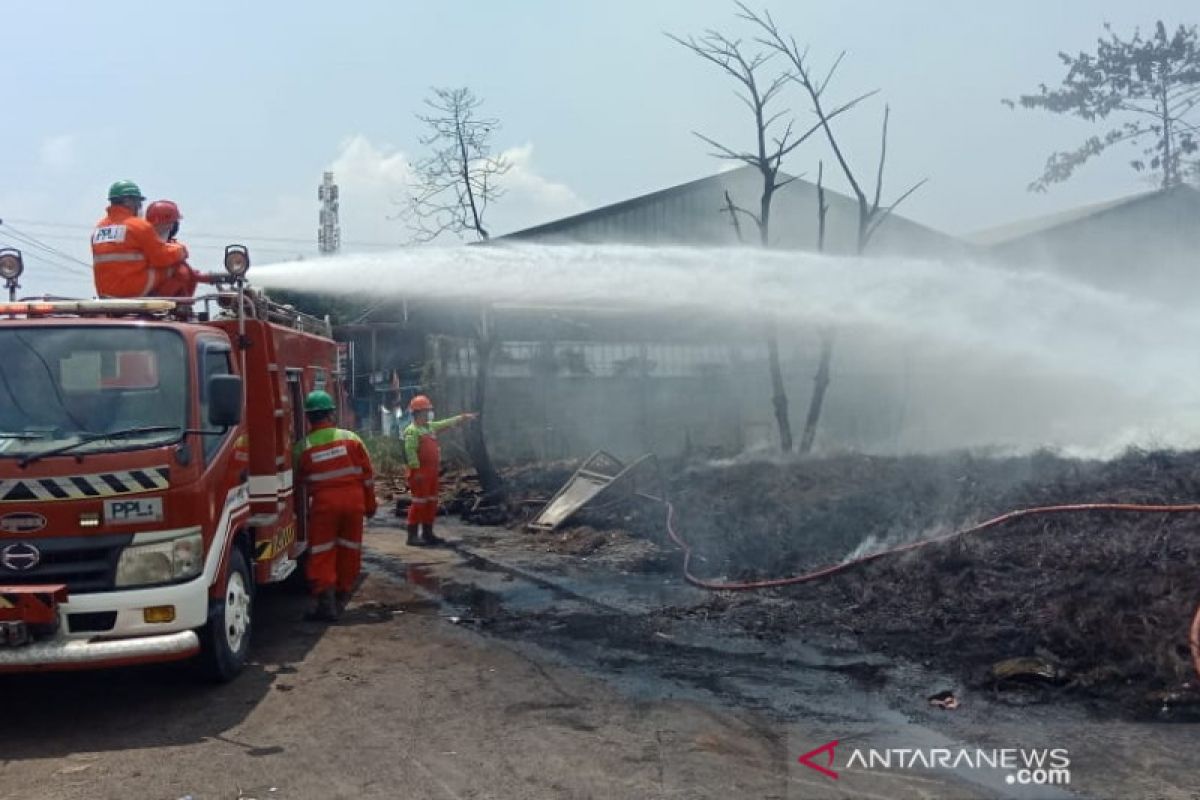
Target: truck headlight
[
  {"x": 11, "y": 264},
  {"x": 237, "y": 260},
  {"x": 161, "y": 562}
]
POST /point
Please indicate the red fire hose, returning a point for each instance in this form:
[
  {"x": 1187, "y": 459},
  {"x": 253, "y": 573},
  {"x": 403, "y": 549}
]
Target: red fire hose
[{"x": 823, "y": 572}]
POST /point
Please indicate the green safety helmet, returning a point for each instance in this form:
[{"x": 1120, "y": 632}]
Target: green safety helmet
[
  {"x": 125, "y": 190},
  {"x": 318, "y": 401}
]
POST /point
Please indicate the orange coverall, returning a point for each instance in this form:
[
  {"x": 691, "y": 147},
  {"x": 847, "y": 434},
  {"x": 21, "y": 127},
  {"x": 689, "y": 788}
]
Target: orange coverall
[
  {"x": 335, "y": 470},
  {"x": 181, "y": 281},
  {"x": 128, "y": 258},
  {"x": 424, "y": 457}
]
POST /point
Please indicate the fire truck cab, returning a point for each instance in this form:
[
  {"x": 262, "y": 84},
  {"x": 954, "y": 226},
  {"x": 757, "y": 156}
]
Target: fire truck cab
[{"x": 146, "y": 483}]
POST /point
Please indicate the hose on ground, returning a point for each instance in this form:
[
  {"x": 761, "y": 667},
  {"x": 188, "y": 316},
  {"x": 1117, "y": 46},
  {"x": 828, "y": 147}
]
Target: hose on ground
[{"x": 994, "y": 522}]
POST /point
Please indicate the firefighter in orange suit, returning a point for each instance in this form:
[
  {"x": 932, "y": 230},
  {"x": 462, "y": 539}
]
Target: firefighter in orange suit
[
  {"x": 335, "y": 471},
  {"x": 423, "y": 459},
  {"x": 128, "y": 258},
  {"x": 181, "y": 279}
]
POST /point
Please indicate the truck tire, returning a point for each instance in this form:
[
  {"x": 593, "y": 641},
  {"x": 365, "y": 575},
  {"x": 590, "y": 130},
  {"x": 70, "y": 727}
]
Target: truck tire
[{"x": 226, "y": 637}]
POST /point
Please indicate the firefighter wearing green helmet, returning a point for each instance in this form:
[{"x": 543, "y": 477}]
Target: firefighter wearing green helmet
[
  {"x": 335, "y": 472},
  {"x": 128, "y": 257},
  {"x": 318, "y": 401}
]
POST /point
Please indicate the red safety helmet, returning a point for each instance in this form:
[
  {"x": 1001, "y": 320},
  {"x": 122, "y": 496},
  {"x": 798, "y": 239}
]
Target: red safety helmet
[
  {"x": 163, "y": 212},
  {"x": 420, "y": 403}
]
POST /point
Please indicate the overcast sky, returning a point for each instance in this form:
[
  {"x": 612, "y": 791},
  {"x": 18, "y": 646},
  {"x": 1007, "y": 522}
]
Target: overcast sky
[{"x": 234, "y": 109}]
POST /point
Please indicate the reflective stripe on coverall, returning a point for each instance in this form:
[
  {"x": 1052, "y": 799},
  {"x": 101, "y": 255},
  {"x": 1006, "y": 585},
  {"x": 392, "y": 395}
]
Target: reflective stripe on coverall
[
  {"x": 335, "y": 470},
  {"x": 128, "y": 258}
]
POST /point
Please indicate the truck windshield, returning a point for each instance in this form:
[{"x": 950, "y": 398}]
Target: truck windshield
[{"x": 69, "y": 385}]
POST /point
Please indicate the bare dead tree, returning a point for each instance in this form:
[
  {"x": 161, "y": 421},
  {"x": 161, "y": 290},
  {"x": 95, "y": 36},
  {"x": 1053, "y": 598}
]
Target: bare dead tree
[
  {"x": 457, "y": 181},
  {"x": 455, "y": 184},
  {"x": 871, "y": 210},
  {"x": 821, "y": 379},
  {"x": 732, "y": 210},
  {"x": 485, "y": 346},
  {"x": 822, "y": 207},
  {"x": 775, "y": 137}
]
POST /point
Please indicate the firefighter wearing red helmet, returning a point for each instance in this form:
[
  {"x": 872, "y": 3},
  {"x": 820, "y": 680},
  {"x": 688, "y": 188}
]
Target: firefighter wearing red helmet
[
  {"x": 423, "y": 458},
  {"x": 333, "y": 467},
  {"x": 181, "y": 279},
  {"x": 128, "y": 257}
]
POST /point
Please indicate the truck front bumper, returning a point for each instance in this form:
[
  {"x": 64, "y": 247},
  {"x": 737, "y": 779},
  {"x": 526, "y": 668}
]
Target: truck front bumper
[
  {"x": 60, "y": 654},
  {"x": 127, "y": 638}
]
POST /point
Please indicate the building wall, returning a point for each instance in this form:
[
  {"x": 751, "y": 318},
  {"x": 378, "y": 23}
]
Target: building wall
[
  {"x": 673, "y": 399},
  {"x": 886, "y": 396}
]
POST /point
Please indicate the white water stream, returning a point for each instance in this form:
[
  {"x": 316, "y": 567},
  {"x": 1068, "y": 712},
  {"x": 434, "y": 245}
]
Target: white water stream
[{"x": 1071, "y": 351}]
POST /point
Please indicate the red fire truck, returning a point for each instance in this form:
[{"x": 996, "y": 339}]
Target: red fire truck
[{"x": 146, "y": 482}]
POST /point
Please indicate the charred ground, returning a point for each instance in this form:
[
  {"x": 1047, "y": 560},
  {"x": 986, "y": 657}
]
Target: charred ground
[{"x": 1102, "y": 601}]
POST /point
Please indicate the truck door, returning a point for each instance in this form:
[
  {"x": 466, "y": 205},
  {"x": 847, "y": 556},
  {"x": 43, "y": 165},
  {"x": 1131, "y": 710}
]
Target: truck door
[{"x": 299, "y": 497}]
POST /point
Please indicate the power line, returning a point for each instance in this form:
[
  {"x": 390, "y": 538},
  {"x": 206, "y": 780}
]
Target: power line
[
  {"x": 193, "y": 246},
  {"x": 189, "y": 237},
  {"x": 42, "y": 245},
  {"x": 59, "y": 267},
  {"x": 47, "y": 254},
  {"x": 64, "y": 267},
  {"x": 63, "y": 262},
  {"x": 196, "y": 235}
]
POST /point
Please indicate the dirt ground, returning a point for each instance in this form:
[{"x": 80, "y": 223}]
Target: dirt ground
[
  {"x": 394, "y": 701},
  {"x": 454, "y": 678}
]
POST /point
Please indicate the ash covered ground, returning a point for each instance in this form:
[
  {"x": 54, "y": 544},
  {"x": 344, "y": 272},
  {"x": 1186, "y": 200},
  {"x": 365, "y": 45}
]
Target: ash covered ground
[{"x": 1099, "y": 602}]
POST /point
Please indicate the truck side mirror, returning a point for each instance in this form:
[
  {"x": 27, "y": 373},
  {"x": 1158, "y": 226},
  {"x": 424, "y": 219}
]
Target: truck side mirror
[{"x": 224, "y": 400}]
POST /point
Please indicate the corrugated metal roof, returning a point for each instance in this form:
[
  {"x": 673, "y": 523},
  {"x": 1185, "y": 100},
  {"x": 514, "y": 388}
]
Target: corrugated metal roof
[
  {"x": 730, "y": 179},
  {"x": 1002, "y": 234},
  {"x": 692, "y": 213}
]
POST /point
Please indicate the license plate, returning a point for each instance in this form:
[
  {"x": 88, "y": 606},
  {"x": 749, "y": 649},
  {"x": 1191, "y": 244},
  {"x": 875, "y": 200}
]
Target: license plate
[
  {"x": 14, "y": 634},
  {"x": 133, "y": 512}
]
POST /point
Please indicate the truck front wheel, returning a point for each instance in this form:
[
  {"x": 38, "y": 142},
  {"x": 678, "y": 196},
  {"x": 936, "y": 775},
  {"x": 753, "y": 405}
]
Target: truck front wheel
[{"x": 226, "y": 637}]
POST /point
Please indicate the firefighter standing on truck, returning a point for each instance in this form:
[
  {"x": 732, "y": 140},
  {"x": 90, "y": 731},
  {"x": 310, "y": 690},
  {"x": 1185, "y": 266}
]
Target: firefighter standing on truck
[
  {"x": 335, "y": 472},
  {"x": 423, "y": 458},
  {"x": 128, "y": 258}
]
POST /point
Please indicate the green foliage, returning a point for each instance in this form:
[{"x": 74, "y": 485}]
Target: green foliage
[
  {"x": 387, "y": 454},
  {"x": 1150, "y": 86}
]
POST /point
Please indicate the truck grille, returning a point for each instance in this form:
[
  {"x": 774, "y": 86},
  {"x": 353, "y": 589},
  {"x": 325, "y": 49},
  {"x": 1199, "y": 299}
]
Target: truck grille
[
  {"x": 92, "y": 622},
  {"x": 83, "y": 563}
]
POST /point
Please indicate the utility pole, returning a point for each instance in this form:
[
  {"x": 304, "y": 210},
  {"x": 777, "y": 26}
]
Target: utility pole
[{"x": 329, "y": 235}]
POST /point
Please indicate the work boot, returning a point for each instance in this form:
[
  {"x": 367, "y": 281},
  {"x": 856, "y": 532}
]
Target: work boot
[
  {"x": 413, "y": 541},
  {"x": 325, "y": 609},
  {"x": 428, "y": 538}
]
